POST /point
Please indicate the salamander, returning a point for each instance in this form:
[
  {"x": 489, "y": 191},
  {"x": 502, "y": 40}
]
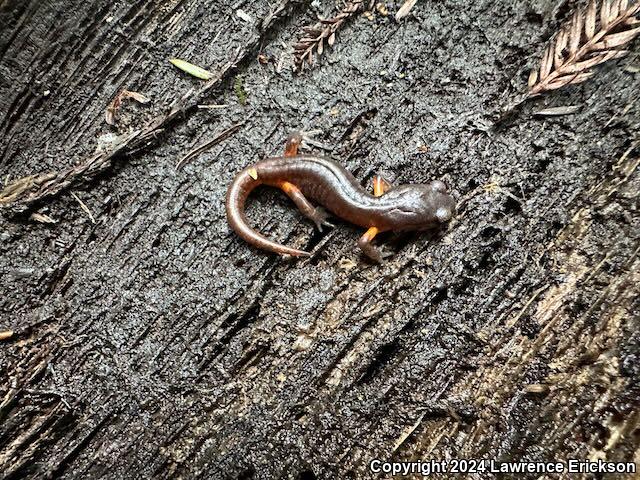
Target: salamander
[{"x": 410, "y": 207}]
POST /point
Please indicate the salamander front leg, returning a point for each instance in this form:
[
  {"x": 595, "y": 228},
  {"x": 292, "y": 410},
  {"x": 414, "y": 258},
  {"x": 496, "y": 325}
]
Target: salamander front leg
[
  {"x": 293, "y": 144},
  {"x": 380, "y": 185},
  {"x": 369, "y": 249},
  {"x": 317, "y": 214}
]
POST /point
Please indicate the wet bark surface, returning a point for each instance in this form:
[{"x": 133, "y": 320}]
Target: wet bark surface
[{"x": 150, "y": 342}]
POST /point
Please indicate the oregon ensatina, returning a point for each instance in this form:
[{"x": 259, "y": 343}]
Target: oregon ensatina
[{"x": 397, "y": 208}]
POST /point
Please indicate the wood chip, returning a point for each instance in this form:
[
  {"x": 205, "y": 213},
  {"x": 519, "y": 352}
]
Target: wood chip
[
  {"x": 6, "y": 335},
  {"x": 244, "y": 16},
  {"x": 382, "y": 9},
  {"x": 404, "y": 10},
  {"x": 42, "y": 218},
  {"x": 537, "y": 389}
]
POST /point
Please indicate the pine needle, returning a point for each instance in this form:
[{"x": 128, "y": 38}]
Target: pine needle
[
  {"x": 84, "y": 207},
  {"x": 207, "y": 145}
]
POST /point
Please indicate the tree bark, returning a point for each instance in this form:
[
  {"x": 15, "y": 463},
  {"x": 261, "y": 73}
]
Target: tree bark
[{"x": 144, "y": 339}]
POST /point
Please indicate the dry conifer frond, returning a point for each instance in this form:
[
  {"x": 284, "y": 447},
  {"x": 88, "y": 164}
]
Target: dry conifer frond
[
  {"x": 316, "y": 37},
  {"x": 592, "y": 36}
]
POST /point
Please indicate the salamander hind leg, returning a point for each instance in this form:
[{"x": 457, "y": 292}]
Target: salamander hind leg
[
  {"x": 317, "y": 214},
  {"x": 370, "y": 250}
]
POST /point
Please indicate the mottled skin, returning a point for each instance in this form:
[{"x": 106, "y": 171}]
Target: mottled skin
[{"x": 302, "y": 177}]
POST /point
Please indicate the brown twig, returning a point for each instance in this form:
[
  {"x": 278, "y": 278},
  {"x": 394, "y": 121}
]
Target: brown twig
[
  {"x": 315, "y": 37},
  {"x": 592, "y": 36},
  {"x": 26, "y": 191}
]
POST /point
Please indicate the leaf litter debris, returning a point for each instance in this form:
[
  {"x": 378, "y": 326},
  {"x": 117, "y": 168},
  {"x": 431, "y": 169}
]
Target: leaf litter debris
[{"x": 111, "y": 114}]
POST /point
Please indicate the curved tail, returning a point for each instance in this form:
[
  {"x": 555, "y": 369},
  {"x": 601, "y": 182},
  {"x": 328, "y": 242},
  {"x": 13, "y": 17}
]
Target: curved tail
[{"x": 237, "y": 194}]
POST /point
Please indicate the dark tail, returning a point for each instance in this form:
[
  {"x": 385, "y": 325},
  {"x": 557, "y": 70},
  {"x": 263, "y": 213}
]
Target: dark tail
[{"x": 237, "y": 194}]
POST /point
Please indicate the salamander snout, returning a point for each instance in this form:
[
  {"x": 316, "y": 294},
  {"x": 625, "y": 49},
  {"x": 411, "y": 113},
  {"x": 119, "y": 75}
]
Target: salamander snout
[
  {"x": 421, "y": 206},
  {"x": 443, "y": 203},
  {"x": 446, "y": 205}
]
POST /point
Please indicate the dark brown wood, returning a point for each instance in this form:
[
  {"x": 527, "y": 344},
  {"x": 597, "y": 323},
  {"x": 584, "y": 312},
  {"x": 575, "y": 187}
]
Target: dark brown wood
[{"x": 150, "y": 342}]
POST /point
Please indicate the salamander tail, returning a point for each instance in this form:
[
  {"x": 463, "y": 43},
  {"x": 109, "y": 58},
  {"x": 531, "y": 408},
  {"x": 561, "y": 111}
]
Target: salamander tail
[{"x": 237, "y": 195}]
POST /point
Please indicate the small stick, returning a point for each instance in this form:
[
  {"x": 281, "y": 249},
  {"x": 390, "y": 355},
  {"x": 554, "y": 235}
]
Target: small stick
[{"x": 205, "y": 146}]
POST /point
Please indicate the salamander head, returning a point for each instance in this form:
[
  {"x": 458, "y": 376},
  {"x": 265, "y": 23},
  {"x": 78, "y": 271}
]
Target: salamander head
[{"x": 419, "y": 206}]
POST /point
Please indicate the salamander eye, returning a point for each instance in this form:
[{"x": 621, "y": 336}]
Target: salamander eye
[
  {"x": 443, "y": 214},
  {"x": 439, "y": 186}
]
